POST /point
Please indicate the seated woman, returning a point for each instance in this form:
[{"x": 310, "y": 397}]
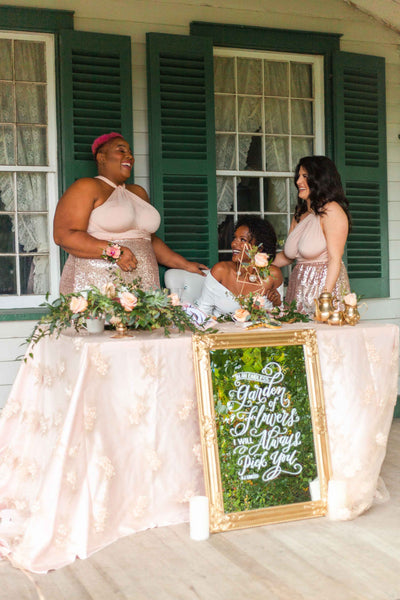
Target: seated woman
[{"x": 224, "y": 282}]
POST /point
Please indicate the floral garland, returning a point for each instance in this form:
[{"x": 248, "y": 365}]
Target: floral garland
[
  {"x": 253, "y": 312},
  {"x": 118, "y": 303}
]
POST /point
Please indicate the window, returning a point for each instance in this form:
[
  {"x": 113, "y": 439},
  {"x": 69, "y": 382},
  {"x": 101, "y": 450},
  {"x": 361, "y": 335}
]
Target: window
[
  {"x": 89, "y": 69},
  {"x": 181, "y": 112},
  {"x": 268, "y": 114},
  {"x": 29, "y": 260}
]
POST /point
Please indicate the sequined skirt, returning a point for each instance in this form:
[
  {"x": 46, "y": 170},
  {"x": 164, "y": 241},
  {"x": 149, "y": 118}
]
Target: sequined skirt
[
  {"x": 79, "y": 273},
  {"x": 307, "y": 282}
]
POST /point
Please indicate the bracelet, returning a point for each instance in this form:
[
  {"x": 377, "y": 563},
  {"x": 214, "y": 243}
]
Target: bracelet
[{"x": 112, "y": 252}]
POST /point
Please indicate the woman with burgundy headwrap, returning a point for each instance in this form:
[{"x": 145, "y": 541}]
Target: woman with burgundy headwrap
[{"x": 102, "y": 222}]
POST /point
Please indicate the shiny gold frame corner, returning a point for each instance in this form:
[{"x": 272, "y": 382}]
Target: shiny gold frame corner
[{"x": 202, "y": 345}]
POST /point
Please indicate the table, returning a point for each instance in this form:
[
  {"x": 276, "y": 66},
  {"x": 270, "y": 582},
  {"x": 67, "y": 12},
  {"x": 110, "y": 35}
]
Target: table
[{"x": 100, "y": 437}]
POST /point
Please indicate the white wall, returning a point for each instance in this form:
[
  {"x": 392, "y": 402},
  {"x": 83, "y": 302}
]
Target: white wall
[
  {"x": 12, "y": 348},
  {"x": 135, "y": 18}
]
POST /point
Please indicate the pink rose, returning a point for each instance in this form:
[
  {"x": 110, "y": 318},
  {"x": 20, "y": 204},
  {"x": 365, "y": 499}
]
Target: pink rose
[
  {"x": 108, "y": 290},
  {"x": 78, "y": 304},
  {"x": 113, "y": 251},
  {"x": 128, "y": 301},
  {"x": 241, "y": 315},
  {"x": 350, "y": 299},
  {"x": 261, "y": 259},
  {"x": 174, "y": 299},
  {"x": 258, "y": 300}
]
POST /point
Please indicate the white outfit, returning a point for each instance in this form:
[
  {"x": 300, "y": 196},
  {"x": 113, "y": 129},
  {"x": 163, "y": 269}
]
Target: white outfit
[{"x": 217, "y": 300}]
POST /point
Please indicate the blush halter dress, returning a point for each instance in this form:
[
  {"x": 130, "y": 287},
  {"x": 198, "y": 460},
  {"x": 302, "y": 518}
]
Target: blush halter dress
[
  {"x": 307, "y": 244},
  {"x": 128, "y": 220}
]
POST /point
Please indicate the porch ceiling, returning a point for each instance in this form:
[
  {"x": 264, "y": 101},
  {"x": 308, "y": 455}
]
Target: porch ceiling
[{"x": 384, "y": 11}]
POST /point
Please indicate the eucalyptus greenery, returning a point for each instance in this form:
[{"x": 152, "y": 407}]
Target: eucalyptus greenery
[
  {"x": 117, "y": 302},
  {"x": 257, "y": 313}
]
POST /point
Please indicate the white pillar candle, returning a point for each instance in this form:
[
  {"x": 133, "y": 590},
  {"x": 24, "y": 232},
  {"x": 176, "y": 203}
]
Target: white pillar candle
[
  {"x": 199, "y": 518},
  {"x": 337, "y": 498},
  {"x": 315, "y": 490}
]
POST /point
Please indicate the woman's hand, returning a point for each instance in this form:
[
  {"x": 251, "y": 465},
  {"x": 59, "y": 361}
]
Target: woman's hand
[
  {"x": 195, "y": 267},
  {"x": 167, "y": 257},
  {"x": 274, "y": 296},
  {"x": 127, "y": 260}
]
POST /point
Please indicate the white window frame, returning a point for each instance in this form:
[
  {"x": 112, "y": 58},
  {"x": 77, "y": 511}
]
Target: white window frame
[
  {"x": 31, "y": 300},
  {"x": 317, "y": 62}
]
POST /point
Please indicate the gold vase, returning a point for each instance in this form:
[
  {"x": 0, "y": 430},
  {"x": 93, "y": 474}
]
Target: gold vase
[
  {"x": 323, "y": 307},
  {"x": 351, "y": 314},
  {"x": 336, "y": 318}
]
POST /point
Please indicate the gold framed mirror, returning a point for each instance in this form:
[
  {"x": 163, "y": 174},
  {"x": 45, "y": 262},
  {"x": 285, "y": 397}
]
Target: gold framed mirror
[{"x": 262, "y": 426}]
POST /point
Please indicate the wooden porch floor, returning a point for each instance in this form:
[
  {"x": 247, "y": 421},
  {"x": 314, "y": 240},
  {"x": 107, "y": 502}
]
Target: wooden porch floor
[{"x": 315, "y": 559}]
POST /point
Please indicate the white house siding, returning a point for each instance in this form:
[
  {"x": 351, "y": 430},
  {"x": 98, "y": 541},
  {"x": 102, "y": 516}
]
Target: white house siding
[
  {"x": 360, "y": 34},
  {"x": 12, "y": 347}
]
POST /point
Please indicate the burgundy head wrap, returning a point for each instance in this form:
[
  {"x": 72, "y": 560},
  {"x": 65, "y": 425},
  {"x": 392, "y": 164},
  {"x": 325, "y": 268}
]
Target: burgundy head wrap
[{"x": 103, "y": 139}]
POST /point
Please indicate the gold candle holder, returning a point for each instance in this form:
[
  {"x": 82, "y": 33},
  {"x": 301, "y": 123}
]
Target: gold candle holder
[{"x": 122, "y": 331}]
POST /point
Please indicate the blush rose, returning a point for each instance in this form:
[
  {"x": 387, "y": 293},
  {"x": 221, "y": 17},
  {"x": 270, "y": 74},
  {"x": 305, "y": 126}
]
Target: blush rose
[
  {"x": 350, "y": 299},
  {"x": 259, "y": 300},
  {"x": 113, "y": 251},
  {"x": 174, "y": 299},
  {"x": 261, "y": 259},
  {"x": 78, "y": 304},
  {"x": 241, "y": 315},
  {"x": 108, "y": 290},
  {"x": 128, "y": 301}
]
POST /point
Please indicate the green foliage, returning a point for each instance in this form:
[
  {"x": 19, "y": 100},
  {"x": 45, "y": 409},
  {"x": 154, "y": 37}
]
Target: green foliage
[
  {"x": 118, "y": 302},
  {"x": 288, "y": 313},
  {"x": 257, "y": 313},
  {"x": 247, "y": 494}
]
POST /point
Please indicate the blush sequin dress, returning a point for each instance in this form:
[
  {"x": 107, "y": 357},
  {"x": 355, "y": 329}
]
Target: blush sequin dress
[
  {"x": 128, "y": 220},
  {"x": 307, "y": 244}
]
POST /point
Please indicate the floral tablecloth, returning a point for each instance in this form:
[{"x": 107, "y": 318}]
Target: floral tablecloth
[{"x": 100, "y": 436}]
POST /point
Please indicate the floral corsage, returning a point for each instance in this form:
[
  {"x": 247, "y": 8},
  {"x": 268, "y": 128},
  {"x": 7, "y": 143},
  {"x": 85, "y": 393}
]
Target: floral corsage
[{"x": 112, "y": 252}]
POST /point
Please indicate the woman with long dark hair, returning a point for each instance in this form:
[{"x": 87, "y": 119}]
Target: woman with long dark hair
[{"x": 317, "y": 235}]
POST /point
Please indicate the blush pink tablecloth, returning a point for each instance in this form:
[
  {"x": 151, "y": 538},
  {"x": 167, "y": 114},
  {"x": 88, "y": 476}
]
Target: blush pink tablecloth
[{"x": 100, "y": 436}]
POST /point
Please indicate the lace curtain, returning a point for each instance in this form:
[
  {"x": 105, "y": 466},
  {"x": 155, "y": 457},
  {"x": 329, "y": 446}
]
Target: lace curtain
[
  {"x": 287, "y": 118},
  {"x": 23, "y": 141}
]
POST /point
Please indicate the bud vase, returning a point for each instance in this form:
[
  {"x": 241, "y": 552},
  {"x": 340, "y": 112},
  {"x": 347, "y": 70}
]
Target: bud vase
[
  {"x": 95, "y": 325},
  {"x": 351, "y": 314}
]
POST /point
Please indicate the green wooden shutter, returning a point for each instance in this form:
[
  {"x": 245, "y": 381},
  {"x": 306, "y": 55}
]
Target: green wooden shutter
[
  {"x": 182, "y": 143},
  {"x": 360, "y": 155},
  {"x": 96, "y": 96}
]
